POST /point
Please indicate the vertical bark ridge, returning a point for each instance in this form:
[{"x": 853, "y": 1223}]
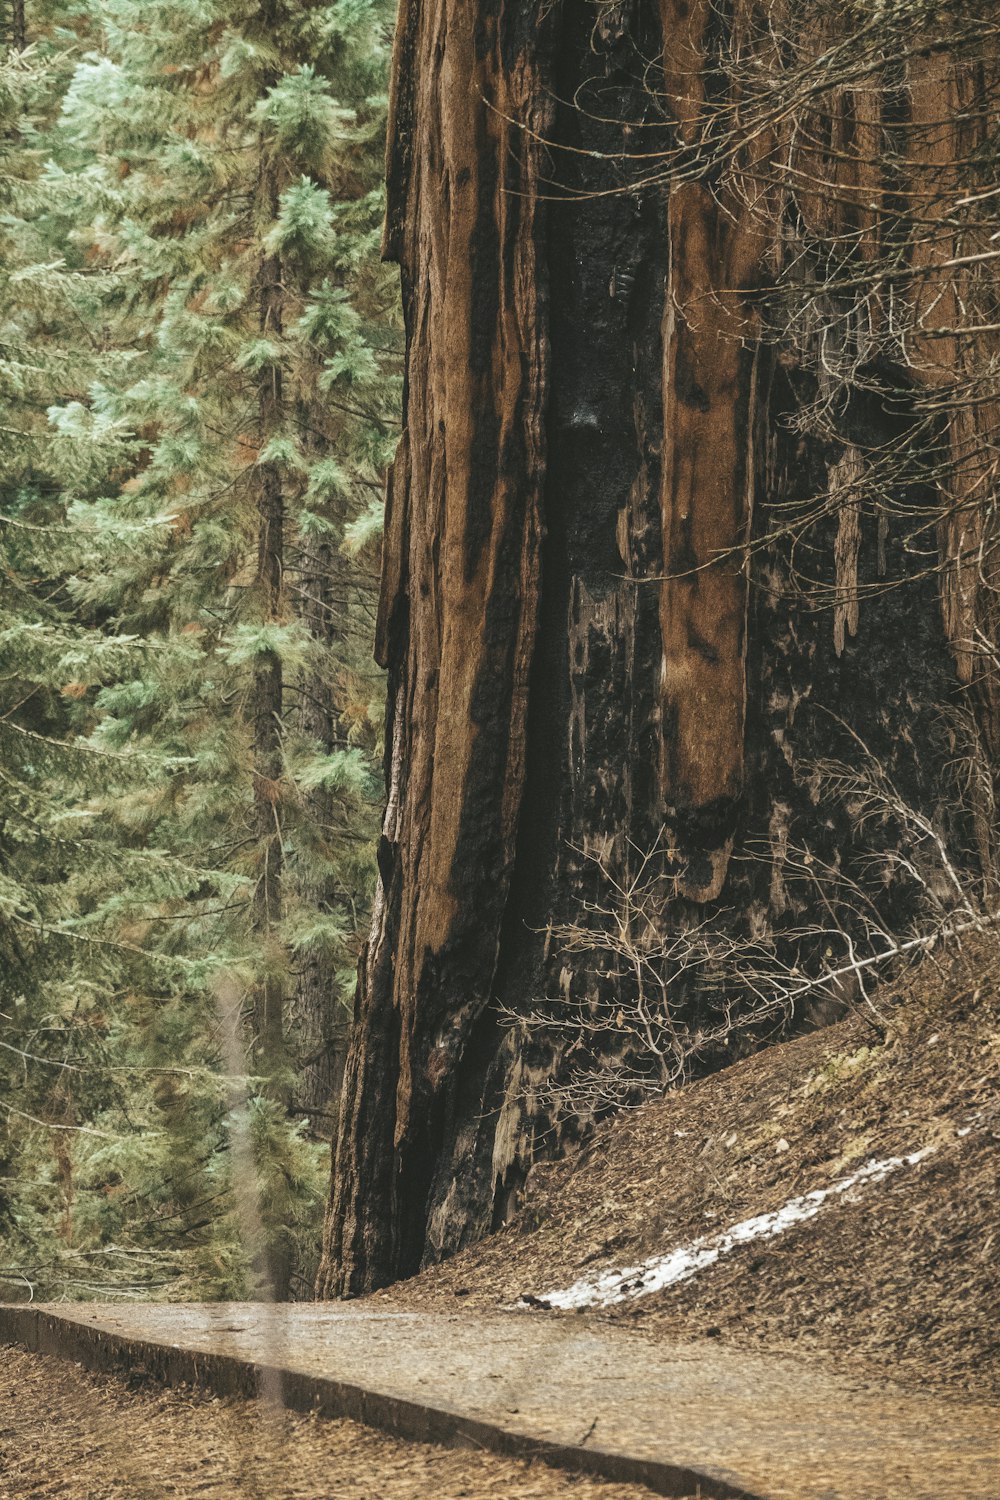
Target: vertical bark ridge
[
  {"x": 591, "y": 740},
  {"x": 466, "y": 512},
  {"x": 950, "y": 121},
  {"x": 268, "y": 688},
  {"x": 716, "y": 254},
  {"x": 579, "y": 654}
]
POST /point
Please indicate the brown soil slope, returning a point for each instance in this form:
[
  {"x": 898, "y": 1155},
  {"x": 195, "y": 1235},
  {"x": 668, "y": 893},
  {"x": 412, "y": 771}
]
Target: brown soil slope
[{"x": 898, "y": 1276}]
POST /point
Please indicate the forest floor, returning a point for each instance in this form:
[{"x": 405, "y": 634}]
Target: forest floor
[
  {"x": 68, "y": 1433},
  {"x": 895, "y": 1276},
  {"x": 869, "y": 1281},
  {"x": 676, "y": 1415}
]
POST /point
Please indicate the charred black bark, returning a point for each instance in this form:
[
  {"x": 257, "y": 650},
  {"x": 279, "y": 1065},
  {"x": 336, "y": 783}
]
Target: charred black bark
[
  {"x": 580, "y": 656},
  {"x": 592, "y": 727}
]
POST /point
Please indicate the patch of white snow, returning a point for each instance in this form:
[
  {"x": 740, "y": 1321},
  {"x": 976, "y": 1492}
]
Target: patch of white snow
[{"x": 608, "y": 1287}]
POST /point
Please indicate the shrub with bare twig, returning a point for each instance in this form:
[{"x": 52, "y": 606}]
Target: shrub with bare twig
[{"x": 665, "y": 995}]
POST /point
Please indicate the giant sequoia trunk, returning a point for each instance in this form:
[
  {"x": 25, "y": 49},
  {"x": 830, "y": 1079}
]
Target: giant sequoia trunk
[{"x": 583, "y": 665}]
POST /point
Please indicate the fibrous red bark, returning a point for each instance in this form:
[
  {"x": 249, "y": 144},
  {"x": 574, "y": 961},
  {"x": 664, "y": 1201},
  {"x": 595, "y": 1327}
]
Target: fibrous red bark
[
  {"x": 459, "y": 606},
  {"x": 579, "y": 653}
]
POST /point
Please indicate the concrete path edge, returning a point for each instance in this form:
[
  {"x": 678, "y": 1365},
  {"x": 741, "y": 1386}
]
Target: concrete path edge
[{"x": 43, "y": 1332}]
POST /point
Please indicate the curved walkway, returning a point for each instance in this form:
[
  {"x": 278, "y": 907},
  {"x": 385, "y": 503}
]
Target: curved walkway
[{"x": 678, "y": 1418}]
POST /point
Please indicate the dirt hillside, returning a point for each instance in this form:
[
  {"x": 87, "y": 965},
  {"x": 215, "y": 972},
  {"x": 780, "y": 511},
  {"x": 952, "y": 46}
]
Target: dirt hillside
[{"x": 890, "y": 1120}]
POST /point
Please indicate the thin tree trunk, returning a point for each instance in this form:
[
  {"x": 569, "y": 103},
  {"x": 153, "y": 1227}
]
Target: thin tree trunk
[
  {"x": 268, "y": 693},
  {"x": 320, "y": 1020},
  {"x": 270, "y": 1053},
  {"x": 268, "y": 687},
  {"x": 18, "y": 26}
]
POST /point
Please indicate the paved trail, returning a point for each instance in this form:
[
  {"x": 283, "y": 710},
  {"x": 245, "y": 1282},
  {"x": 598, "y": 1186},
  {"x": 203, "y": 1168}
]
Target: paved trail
[{"x": 577, "y": 1392}]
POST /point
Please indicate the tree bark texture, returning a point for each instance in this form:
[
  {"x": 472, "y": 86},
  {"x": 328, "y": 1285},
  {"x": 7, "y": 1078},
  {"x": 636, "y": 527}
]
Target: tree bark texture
[
  {"x": 579, "y": 657},
  {"x": 269, "y": 1049},
  {"x": 18, "y": 26},
  {"x": 319, "y": 1023},
  {"x": 268, "y": 692}
]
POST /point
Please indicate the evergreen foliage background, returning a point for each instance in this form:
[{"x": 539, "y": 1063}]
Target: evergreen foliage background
[{"x": 199, "y": 382}]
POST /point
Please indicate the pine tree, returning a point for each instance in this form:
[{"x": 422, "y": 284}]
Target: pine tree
[
  {"x": 230, "y": 217},
  {"x": 45, "y": 300},
  {"x": 216, "y": 482}
]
